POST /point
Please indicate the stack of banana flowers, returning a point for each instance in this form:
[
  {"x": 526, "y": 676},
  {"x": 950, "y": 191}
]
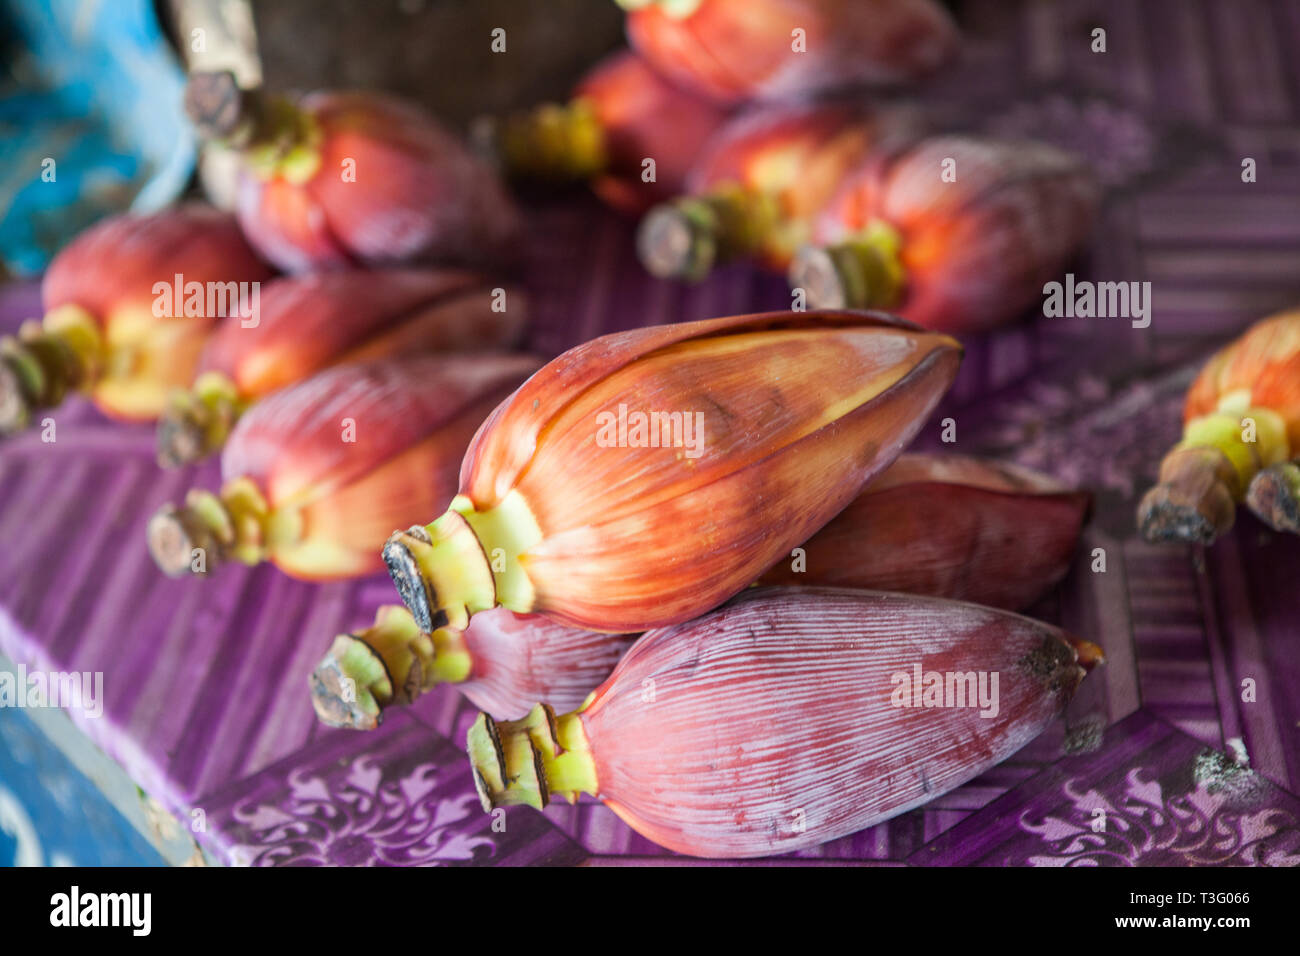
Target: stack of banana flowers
[
  {"x": 687, "y": 569},
  {"x": 178, "y": 316},
  {"x": 341, "y": 396},
  {"x": 642, "y": 125},
  {"x": 861, "y": 207},
  {"x": 1241, "y": 434},
  {"x": 949, "y": 526},
  {"x": 597, "y": 561}
]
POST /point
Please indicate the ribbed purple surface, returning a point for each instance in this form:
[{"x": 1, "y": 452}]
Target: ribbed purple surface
[{"x": 205, "y": 680}]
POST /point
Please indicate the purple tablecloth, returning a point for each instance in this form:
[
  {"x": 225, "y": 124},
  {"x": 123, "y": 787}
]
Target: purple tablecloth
[{"x": 205, "y": 681}]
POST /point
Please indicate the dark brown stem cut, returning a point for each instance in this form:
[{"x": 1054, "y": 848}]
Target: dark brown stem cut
[
  {"x": 1194, "y": 501},
  {"x": 412, "y": 587},
  {"x": 351, "y": 685}
]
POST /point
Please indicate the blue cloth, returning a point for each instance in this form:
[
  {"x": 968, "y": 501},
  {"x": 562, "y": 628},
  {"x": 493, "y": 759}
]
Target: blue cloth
[
  {"x": 93, "y": 86},
  {"x": 53, "y": 815}
]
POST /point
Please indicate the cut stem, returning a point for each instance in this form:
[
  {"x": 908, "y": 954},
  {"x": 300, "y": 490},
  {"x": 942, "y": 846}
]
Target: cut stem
[
  {"x": 211, "y": 529},
  {"x": 221, "y": 110},
  {"x": 197, "y": 422},
  {"x": 1205, "y": 476},
  {"x": 864, "y": 272},
  {"x": 1274, "y": 496},
  {"x": 526, "y": 762},
  {"x": 687, "y": 237},
  {"x": 464, "y": 562},
  {"x": 391, "y": 663},
  {"x": 44, "y": 362},
  {"x": 275, "y": 136},
  {"x": 1194, "y": 500}
]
